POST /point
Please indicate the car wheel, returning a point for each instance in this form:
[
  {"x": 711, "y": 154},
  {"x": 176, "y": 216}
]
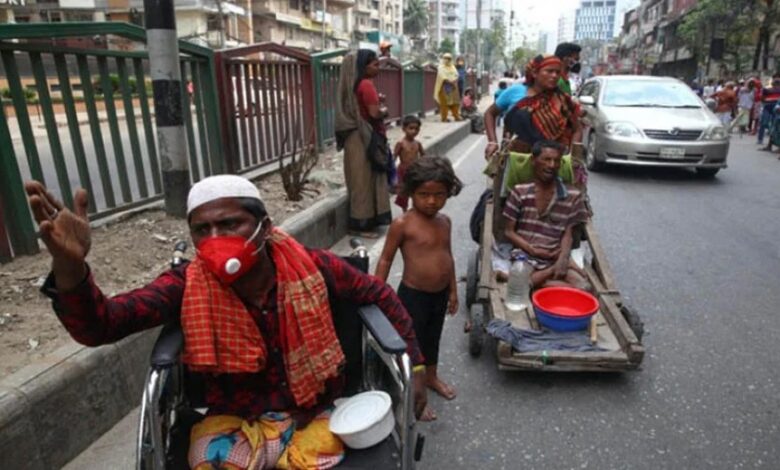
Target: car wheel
[
  {"x": 707, "y": 173},
  {"x": 590, "y": 155}
]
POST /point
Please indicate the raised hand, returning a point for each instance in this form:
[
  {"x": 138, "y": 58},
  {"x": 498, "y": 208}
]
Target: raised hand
[{"x": 65, "y": 233}]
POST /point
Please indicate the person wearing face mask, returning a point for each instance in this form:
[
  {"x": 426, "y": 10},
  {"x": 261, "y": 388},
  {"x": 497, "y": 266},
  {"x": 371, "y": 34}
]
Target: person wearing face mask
[
  {"x": 569, "y": 53},
  {"x": 255, "y": 310}
]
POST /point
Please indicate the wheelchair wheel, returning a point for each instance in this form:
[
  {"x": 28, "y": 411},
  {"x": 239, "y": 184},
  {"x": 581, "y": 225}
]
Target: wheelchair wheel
[
  {"x": 477, "y": 333},
  {"x": 472, "y": 278}
]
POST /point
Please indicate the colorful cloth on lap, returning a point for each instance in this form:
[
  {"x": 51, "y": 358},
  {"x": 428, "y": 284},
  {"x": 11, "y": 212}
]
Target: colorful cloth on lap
[
  {"x": 230, "y": 443},
  {"x": 221, "y": 336}
]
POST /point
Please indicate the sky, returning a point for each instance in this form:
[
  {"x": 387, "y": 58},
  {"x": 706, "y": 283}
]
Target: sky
[{"x": 544, "y": 13}]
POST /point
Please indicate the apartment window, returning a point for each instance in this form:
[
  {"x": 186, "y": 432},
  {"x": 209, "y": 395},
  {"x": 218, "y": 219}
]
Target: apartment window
[
  {"x": 294, "y": 4},
  {"x": 213, "y": 23}
]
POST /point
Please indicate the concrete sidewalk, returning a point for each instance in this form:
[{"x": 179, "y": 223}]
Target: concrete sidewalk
[{"x": 52, "y": 410}]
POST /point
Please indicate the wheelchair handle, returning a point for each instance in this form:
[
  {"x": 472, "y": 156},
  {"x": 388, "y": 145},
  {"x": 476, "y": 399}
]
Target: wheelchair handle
[
  {"x": 178, "y": 254},
  {"x": 358, "y": 248}
]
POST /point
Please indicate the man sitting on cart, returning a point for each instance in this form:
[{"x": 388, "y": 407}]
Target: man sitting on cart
[
  {"x": 540, "y": 212},
  {"x": 540, "y": 216}
]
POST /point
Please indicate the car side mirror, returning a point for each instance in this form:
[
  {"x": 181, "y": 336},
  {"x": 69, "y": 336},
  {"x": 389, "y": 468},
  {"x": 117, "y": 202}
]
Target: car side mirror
[{"x": 587, "y": 101}]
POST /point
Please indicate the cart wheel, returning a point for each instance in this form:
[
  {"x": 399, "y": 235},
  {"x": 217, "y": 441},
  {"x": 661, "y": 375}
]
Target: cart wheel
[
  {"x": 472, "y": 278},
  {"x": 634, "y": 321},
  {"x": 477, "y": 333}
]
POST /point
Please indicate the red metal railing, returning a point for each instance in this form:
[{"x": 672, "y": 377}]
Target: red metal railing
[
  {"x": 429, "y": 83},
  {"x": 390, "y": 82},
  {"x": 266, "y": 104}
]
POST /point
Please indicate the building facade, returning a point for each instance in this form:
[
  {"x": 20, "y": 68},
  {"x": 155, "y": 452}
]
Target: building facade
[
  {"x": 600, "y": 19},
  {"x": 492, "y": 10},
  {"x": 566, "y": 24},
  {"x": 229, "y": 23},
  {"x": 443, "y": 22}
]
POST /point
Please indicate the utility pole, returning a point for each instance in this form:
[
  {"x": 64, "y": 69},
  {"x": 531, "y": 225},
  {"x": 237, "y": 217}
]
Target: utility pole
[
  {"x": 479, "y": 35},
  {"x": 324, "y": 9},
  {"x": 163, "y": 47}
]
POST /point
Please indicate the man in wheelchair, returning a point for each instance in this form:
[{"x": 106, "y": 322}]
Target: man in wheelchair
[{"x": 255, "y": 311}]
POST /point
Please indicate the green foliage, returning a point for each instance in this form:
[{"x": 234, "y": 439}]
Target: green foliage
[
  {"x": 97, "y": 84},
  {"x": 520, "y": 57},
  {"x": 416, "y": 18},
  {"x": 493, "y": 43},
  {"x": 447, "y": 45},
  {"x": 736, "y": 21},
  {"x": 30, "y": 95}
]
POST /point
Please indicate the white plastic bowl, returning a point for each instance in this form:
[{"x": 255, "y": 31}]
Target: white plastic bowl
[{"x": 363, "y": 420}]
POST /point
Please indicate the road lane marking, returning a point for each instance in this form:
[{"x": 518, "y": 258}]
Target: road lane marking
[{"x": 467, "y": 153}]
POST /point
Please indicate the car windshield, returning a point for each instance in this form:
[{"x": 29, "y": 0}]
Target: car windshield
[{"x": 649, "y": 94}]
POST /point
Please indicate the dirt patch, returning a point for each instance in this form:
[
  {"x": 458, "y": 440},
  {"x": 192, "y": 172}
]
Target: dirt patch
[{"x": 125, "y": 254}]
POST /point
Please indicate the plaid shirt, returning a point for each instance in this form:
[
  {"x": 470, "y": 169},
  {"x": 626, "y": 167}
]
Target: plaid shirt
[{"x": 93, "y": 320}]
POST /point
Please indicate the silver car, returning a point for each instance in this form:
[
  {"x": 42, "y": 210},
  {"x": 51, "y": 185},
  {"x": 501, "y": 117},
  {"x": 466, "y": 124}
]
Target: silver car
[{"x": 650, "y": 121}]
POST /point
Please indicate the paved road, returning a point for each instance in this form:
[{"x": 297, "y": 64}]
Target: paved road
[{"x": 699, "y": 260}]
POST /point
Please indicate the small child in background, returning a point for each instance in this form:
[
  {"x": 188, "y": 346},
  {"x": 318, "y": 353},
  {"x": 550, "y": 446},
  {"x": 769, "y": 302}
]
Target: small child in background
[
  {"x": 502, "y": 85},
  {"x": 407, "y": 151},
  {"x": 428, "y": 287}
]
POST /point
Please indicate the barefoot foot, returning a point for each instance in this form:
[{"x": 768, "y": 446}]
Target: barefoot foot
[
  {"x": 428, "y": 414},
  {"x": 443, "y": 389}
]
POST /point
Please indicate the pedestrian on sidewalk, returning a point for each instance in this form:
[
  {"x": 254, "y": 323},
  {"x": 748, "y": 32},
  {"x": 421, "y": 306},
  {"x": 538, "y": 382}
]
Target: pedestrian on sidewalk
[
  {"x": 407, "y": 150},
  {"x": 746, "y": 100},
  {"x": 360, "y": 131},
  {"x": 769, "y": 98},
  {"x": 727, "y": 103},
  {"x": 468, "y": 109},
  {"x": 428, "y": 286},
  {"x": 460, "y": 64},
  {"x": 445, "y": 91}
]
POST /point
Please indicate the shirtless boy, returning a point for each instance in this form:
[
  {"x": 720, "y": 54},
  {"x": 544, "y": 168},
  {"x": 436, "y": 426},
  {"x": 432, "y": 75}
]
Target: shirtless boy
[
  {"x": 428, "y": 287},
  {"x": 407, "y": 150}
]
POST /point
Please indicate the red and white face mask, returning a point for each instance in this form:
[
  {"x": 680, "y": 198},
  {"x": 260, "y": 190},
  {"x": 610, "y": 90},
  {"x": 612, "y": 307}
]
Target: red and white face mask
[{"x": 230, "y": 256}]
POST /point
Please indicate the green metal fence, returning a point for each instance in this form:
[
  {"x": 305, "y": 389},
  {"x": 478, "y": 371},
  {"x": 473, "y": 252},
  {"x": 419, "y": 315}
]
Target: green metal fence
[
  {"x": 326, "y": 67},
  {"x": 93, "y": 125},
  {"x": 413, "y": 89}
]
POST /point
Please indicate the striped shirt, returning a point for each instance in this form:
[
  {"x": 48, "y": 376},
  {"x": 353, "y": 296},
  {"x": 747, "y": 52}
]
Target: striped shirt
[{"x": 545, "y": 230}]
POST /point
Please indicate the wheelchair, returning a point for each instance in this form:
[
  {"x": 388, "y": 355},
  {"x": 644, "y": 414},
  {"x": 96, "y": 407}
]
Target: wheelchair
[{"x": 376, "y": 359}]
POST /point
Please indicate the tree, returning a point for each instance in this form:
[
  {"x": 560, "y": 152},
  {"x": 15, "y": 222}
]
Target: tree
[
  {"x": 447, "y": 45},
  {"x": 520, "y": 56},
  {"x": 735, "y": 21},
  {"x": 493, "y": 43},
  {"x": 416, "y": 19},
  {"x": 770, "y": 15}
]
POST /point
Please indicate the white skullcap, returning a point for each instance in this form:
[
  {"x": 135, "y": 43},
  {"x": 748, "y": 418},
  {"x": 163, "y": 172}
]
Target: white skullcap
[{"x": 219, "y": 186}]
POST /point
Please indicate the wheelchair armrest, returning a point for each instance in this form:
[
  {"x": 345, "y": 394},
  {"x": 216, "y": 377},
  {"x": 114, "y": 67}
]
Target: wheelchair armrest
[
  {"x": 382, "y": 330},
  {"x": 168, "y": 346}
]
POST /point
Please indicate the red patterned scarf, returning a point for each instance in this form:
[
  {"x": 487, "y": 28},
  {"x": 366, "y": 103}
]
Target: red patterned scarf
[
  {"x": 553, "y": 114},
  {"x": 220, "y": 335}
]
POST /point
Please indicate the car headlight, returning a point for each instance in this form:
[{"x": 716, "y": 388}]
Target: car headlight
[
  {"x": 622, "y": 129},
  {"x": 716, "y": 133}
]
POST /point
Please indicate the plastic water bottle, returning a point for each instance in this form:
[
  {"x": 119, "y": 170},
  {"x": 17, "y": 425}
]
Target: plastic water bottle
[{"x": 519, "y": 284}]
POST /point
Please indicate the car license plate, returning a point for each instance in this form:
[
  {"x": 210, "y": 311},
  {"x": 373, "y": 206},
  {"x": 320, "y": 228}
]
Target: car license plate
[{"x": 674, "y": 153}]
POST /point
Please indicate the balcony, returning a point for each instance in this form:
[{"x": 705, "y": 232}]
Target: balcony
[{"x": 341, "y": 4}]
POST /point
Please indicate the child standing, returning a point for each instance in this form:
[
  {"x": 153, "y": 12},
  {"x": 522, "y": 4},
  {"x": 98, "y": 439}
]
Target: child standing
[
  {"x": 428, "y": 287},
  {"x": 407, "y": 151}
]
